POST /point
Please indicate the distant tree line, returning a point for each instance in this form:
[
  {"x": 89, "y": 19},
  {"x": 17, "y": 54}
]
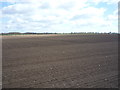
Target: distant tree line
[{"x": 27, "y": 33}]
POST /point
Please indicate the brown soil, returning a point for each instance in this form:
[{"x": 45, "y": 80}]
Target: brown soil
[{"x": 66, "y": 61}]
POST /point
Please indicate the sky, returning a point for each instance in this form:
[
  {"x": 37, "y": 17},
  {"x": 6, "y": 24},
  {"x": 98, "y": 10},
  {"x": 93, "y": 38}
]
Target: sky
[{"x": 60, "y": 16}]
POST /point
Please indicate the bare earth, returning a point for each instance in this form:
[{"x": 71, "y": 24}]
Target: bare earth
[{"x": 60, "y": 61}]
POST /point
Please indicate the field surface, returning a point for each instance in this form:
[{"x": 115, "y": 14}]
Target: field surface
[{"x": 60, "y": 61}]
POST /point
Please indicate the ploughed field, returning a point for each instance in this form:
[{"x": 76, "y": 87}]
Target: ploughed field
[{"x": 60, "y": 61}]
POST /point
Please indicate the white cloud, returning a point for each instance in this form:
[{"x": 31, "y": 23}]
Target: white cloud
[
  {"x": 105, "y": 1},
  {"x": 56, "y": 15}
]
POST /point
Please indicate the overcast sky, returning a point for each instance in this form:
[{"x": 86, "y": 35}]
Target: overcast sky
[{"x": 59, "y": 15}]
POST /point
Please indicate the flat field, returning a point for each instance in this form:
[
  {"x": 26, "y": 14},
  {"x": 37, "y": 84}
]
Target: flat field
[{"x": 60, "y": 61}]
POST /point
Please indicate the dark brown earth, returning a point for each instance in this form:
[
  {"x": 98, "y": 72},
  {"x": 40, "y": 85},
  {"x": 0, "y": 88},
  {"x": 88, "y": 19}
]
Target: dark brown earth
[{"x": 63, "y": 61}]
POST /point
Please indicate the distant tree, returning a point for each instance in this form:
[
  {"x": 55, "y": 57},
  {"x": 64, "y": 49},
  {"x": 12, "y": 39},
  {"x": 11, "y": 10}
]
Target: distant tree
[
  {"x": 29, "y": 33},
  {"x": 14, "y": 33}
]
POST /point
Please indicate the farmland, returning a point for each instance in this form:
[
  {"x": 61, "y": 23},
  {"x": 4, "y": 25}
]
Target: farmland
[{"x": 60, "y": 61}]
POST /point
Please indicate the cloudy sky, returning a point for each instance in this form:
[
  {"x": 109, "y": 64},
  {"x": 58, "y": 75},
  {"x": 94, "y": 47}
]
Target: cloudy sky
[{"x": 59, "y": 16}]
